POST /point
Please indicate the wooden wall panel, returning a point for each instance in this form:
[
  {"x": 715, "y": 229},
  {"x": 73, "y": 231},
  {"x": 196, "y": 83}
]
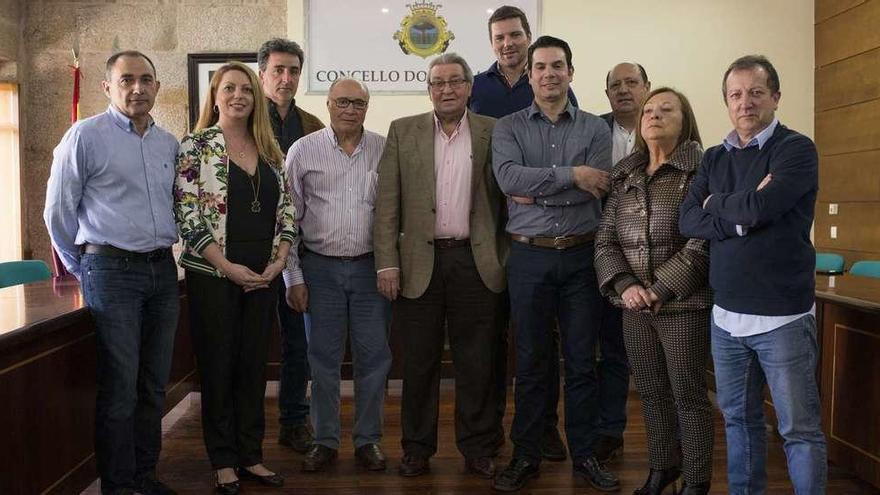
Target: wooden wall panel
[
  {"x": 850, "y": 33},
  {"x": 830, "y": 8},
  {"x": 849, "y": 177},
  {"x": 849, "y": 129},
  {"x": 850, "y": 389},
  {"x": 858, "y": 228},
  {"x": 849, "y": 81}
]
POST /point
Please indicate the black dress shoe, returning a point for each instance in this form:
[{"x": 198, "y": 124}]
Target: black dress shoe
[
  {"x": 370, "y": 456},
  {"x": 696, "y": 489},
  {"x": 596, "y": 475},
  {"x": 658, "y": 480},
  {"x": 149, "y": 485},
  {"x": 608, "y": 448},
  {"x": 318, "y": 457},
  {"x": 552, "y": 447},
  {"x": 481, "y": 466},
  {"x": 274, "y": 479},
  {"x": 298, "y": 437},
  {"x": 231, "y": 488},
  {"x": 413, "y": 465},
  {"x": 515, "y": 475}
]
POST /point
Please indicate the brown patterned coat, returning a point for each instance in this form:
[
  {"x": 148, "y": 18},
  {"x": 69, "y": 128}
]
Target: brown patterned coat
[{"x": 638, "y": 240}]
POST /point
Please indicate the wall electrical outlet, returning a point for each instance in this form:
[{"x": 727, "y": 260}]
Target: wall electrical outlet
[
  {"x": 834, "y": 231},
  {"x": 832, "y": 208}
]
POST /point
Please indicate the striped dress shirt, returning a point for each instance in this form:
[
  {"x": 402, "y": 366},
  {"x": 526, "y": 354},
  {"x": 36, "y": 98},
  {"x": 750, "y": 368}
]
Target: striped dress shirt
[{"x": 334, "y": 195}]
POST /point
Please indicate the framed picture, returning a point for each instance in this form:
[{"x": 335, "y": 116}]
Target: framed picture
[{"x": 200, "y": 68}]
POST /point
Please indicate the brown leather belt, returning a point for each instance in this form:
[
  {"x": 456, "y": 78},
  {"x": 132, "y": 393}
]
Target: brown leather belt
[
  {"x": 105, "y": 250},
  {"x": 559, "y": 242},
  {"x": 451, "y": 243},
  {"x": 359, "y": 257}
]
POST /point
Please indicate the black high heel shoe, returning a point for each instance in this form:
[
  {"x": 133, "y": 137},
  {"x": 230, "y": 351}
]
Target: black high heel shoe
[
  {"x": 658, "y": 480},
  {"x": 698, "y": 489},
  {"x": 231, "y": 488}
]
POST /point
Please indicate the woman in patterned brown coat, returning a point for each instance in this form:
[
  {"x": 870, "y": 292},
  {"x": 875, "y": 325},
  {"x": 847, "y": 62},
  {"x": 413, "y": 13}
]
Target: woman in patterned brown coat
[{"x": 660, "y": 279}]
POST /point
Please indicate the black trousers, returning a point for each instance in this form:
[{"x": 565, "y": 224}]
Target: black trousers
[
  {"x": 457, "y": 296},
  {"x": 230, "y": 332}
]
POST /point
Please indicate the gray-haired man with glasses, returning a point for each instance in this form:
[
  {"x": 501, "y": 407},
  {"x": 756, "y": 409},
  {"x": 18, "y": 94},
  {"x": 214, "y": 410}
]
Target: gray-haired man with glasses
[
  {"x": 438, "y": 247},
  {"x": 333, "y": 186}
]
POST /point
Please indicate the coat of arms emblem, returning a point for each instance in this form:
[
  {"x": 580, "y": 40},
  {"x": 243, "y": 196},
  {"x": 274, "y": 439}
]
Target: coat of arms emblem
[{"x": 423, "y": 32}]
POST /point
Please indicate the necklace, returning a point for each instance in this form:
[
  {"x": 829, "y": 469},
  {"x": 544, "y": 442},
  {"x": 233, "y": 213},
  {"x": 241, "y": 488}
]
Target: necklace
[{"x": 255, "y": 205}]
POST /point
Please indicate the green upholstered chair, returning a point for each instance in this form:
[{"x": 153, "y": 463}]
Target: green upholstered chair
[
  {"x": 866, "y": 269},
  {"x": 829, "y": 263},
  {"x": 22, "y": 272}
]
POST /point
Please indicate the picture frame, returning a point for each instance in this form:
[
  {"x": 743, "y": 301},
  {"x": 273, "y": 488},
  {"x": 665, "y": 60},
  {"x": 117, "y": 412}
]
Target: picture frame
[{"x": 200, "y": 67}]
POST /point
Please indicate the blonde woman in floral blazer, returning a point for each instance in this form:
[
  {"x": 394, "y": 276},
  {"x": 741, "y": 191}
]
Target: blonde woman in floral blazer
[{"x": 234, "y": 213}]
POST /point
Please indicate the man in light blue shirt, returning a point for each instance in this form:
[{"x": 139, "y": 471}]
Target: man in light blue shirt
[{"x": 109, "y": 214}]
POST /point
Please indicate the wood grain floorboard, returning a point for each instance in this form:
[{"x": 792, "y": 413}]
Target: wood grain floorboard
[{"x": 184, "y": 465}]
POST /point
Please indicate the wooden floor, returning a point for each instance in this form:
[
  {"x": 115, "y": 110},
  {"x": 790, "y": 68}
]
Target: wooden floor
[{"x": 184, "y": 465}]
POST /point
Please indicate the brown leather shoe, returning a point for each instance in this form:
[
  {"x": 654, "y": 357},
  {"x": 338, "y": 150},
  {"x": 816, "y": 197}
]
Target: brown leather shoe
[
  {"x": 318, "y": 458},
  {"x": 481, "y": 466},
  {"x": 411, "y": 465},
  {"x": 370, "y": 456}
]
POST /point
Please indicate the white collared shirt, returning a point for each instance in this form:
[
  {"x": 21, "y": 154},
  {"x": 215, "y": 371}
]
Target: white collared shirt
[{"x": 622, "y": 142}]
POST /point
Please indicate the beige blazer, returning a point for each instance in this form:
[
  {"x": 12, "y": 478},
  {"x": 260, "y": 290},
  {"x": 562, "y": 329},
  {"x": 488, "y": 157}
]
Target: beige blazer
[{"x": 403, "y": 225}]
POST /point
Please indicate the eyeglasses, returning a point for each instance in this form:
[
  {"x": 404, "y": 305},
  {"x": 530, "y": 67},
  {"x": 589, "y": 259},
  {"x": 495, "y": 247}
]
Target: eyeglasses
[
  {"x": 345, "y": 102},
  {"x": 452, "y": 83}
]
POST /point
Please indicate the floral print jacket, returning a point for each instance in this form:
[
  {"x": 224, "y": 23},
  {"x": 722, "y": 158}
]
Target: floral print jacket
[{"x": 200, "y": 199}]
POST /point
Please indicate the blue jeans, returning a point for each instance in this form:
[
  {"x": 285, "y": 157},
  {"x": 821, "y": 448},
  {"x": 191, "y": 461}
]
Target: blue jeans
[
  {"x": 135, "y": 305},
  {"x": 546, "y": 286},
  {"x": 785, "y": 359},
  {"x": 344, "y": 301},
  {"x": 294, "y": 377}
]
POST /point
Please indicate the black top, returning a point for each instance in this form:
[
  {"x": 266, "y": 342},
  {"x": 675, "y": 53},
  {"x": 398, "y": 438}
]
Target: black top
[
  {"x": 249, "y": 233},
  {"x": 286, "y": 131}
]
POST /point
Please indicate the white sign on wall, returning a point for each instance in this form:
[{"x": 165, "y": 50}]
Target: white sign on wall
[{"x": 388, "y": 43}]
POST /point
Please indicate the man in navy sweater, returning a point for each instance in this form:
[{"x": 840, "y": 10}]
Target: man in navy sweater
[{"x": 753, "y": 199}]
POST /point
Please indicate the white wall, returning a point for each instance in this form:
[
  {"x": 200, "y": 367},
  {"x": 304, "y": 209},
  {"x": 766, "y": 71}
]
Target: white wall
[{"x": 682, "y": 43}]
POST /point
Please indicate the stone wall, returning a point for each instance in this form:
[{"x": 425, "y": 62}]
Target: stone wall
[
  {"x": 165, "y": 30},
  {"x": 10, "y": 17}
]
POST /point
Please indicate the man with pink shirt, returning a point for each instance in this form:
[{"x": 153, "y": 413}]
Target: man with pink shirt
[{"x": 438, "y": 245}]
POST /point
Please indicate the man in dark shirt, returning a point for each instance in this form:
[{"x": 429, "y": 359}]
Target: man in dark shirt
[
  {"x": 280, "y": 63},
  {"x": 500, "y": 91},
  {"x": 504, "y": 87}
]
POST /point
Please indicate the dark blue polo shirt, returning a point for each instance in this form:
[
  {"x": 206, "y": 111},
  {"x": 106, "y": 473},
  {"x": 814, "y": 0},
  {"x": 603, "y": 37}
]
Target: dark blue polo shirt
[{"x": 491, "y": 96}]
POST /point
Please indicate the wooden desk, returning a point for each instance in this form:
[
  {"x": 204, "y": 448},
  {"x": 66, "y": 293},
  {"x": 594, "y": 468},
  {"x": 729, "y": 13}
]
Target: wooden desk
[
  {"x": 47, "y": 387},
  {"x": 848, "y": 311}
]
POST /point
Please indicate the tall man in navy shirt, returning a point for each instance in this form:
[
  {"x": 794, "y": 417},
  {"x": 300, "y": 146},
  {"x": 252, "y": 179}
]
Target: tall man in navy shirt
[
  {"x": 501, "y": 90},
  {"x": 109, "y": 214},
  {"x": 753, "y": 198}
]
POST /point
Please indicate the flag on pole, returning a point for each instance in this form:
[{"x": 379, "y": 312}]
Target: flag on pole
[{"x": 60, "y": 270}]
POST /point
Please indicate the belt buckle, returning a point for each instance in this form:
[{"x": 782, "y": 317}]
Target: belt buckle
[{"x": 560, "y": 242}]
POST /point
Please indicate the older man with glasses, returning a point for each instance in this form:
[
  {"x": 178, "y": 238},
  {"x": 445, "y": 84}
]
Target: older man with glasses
[
  {"x": 333, "y": 187},
  {"x": 438, "y": 246}
]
